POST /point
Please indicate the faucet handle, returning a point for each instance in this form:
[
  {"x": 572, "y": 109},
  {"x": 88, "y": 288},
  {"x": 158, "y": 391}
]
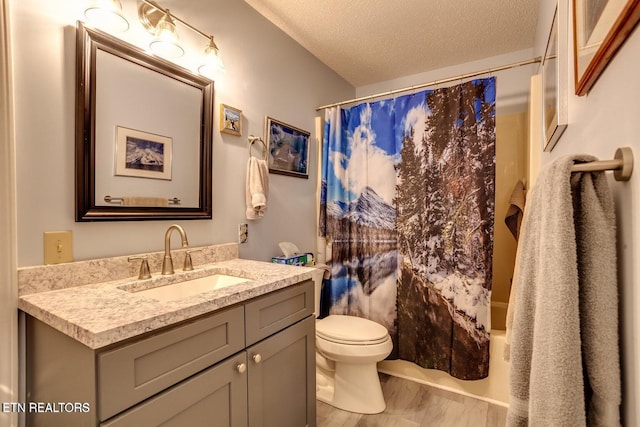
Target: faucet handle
[
  {"x": 145, "y": 272},
  {"x": 188, "y": 263}
]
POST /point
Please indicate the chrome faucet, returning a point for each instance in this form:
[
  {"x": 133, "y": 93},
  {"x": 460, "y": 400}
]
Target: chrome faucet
[{"x": 167, "y": 262}]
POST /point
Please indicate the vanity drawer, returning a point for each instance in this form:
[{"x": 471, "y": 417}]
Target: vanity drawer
[
  {"x": 269, "y": 314},
  {"x": 134, "y": 372},
  {"x": 216, "y": 396}
]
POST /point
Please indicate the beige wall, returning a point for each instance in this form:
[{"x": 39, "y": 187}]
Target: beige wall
[
  {"x": 600, "y": 122},
  {"x": 267, "y": 73},
  {"x": 511, "y": 154}
]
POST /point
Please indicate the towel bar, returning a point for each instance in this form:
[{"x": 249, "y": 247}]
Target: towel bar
[
  {"x": 109, "y": 199},
  {"x": 622, "y": 165}
]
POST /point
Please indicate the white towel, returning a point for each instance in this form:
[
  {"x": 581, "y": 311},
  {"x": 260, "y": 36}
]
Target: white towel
[
  {"x": 257, "y": 188},
  {"x": 565, "y": 368}
]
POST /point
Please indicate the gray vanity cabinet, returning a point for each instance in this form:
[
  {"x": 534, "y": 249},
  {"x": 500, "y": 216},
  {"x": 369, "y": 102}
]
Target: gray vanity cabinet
[
  {"x": 280, "y": 338},
  {"x": 130, "y": 373},
  {"x": 252, "y": 364}
]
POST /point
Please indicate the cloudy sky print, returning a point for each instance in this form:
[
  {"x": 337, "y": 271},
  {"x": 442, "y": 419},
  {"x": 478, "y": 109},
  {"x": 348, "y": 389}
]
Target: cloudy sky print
[
  {"x": 411, "y": 113},
  {"x": 366, "y": 154}
]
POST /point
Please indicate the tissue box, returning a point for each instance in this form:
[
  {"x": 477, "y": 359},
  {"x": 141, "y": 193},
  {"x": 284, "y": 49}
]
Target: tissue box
[{"x": 291, "y": 260}]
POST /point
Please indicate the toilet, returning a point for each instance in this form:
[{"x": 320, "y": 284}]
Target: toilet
[{"x": 347, "y": 351}]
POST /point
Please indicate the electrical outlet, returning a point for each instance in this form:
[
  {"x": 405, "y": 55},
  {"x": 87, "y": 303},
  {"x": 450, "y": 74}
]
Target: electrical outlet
[
  {"x": 58, "y": 247},
  {"x": 243, "y": 233}
]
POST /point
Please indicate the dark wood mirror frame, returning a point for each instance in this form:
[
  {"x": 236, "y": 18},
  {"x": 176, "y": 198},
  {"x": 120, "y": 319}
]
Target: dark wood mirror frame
[{"x": 88, "y": 41}]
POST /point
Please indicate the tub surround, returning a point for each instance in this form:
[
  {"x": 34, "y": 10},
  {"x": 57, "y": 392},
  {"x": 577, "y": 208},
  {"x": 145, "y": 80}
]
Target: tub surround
[
  {"x": 493, "y": 389},
  {"x": 92, "y": 302}
]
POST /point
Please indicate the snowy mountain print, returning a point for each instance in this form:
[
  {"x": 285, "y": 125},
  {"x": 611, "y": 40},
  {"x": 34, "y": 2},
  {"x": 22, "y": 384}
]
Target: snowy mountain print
[
  {"x": 143, "y": 154},
  {"x": 368, "y": 210}
]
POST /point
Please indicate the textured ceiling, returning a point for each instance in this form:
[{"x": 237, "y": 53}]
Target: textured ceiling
[{"x": 370, "y": 41}]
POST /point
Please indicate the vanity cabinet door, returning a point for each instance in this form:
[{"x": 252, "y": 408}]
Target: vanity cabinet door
[
  {"x": 215, "y": 397},
  {"x": 282, "y": 378}
]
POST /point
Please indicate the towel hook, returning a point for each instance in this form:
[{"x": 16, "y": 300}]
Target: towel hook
[{"x": 253, "y": 139}]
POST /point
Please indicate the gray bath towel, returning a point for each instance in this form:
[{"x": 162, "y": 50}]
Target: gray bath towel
[{"x": 565, "y": 368}]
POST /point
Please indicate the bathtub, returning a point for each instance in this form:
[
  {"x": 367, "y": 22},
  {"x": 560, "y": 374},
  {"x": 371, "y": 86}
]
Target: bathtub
[{"x": 493, "y": 389}]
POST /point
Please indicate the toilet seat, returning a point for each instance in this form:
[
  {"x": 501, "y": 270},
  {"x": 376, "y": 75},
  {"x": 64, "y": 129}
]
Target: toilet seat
[{"x": 351, "y": 330}]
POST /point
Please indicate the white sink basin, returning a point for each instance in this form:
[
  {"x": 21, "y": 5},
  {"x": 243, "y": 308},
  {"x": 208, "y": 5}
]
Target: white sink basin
[{"x": 191, "y": 287}]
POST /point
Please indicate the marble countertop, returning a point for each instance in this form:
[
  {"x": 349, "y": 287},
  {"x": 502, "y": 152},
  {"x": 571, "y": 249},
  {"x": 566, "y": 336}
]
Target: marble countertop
[{"x": 101, "y": 314}]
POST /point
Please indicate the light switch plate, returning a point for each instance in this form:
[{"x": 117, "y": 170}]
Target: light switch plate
[{"x": 58, "y": 247}]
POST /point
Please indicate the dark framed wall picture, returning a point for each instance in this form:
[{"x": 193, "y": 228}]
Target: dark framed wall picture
[
  {"x": 230, "y": 120},
  {"x": 142, "y": 154},
  {"x": 288, "y": 149},
  {"x": 555, "y": 117},
  {"x": 600, "y": 27}
]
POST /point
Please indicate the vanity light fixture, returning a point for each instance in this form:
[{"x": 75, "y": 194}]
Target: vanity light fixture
[
  {"x": 106, "y": 15},
  {"x": 160, "y": 23},
  {"x": 165, "y": 41},
  {"x": 212, "y": 61}
]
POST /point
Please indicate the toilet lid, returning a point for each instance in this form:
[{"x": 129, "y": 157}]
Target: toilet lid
[{"x": 351, "y": 330}]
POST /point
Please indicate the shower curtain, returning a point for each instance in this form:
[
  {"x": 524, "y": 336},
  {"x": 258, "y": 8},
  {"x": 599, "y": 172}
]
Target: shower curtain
[{"x": 406, "y": 211}]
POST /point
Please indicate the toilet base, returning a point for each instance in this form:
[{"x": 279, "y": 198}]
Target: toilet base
[{"x": 351, "y": 387}]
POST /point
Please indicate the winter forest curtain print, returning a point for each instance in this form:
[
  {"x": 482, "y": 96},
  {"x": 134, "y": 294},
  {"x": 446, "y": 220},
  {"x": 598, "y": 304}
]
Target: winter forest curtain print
[{"x": 407, "y": 211}]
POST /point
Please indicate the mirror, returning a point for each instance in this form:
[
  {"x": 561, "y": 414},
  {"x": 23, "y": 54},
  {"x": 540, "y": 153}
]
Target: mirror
[{"x": 143, "y": 134}]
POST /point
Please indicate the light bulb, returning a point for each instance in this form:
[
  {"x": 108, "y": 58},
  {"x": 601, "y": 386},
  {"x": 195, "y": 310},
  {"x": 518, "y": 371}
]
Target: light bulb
[
  {"x": 212, "y": 63},
  {"x": 106, "y": 15},
  {"x": 165, "y": 42}
]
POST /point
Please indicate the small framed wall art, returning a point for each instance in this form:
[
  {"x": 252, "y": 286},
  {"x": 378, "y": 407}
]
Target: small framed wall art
[
  {"x": 230, "y": 120},
  {"x": 555, "y": 117},
  {"x": 288, "y": 149}
]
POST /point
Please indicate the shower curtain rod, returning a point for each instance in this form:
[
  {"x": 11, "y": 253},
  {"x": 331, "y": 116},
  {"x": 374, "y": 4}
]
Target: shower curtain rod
[{"x": 435, "y": 82}]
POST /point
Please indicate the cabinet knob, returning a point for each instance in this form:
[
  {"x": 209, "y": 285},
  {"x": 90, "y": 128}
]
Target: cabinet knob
[
  {"x": 241, "y": 367},
  {"x": 257, "y": 358}
]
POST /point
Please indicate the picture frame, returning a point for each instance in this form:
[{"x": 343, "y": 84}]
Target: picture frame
[
  {"x": 555, "y": 81},
  {"x": 143, "y": 154},
  {"x": 230, "y": 120},
  {"x": 288, "y": 148},
  {"x": 600, "y": 27}
]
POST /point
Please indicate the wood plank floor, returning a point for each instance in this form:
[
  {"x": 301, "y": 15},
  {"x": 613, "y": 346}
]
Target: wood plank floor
[{"x": 411, "y": 404}]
